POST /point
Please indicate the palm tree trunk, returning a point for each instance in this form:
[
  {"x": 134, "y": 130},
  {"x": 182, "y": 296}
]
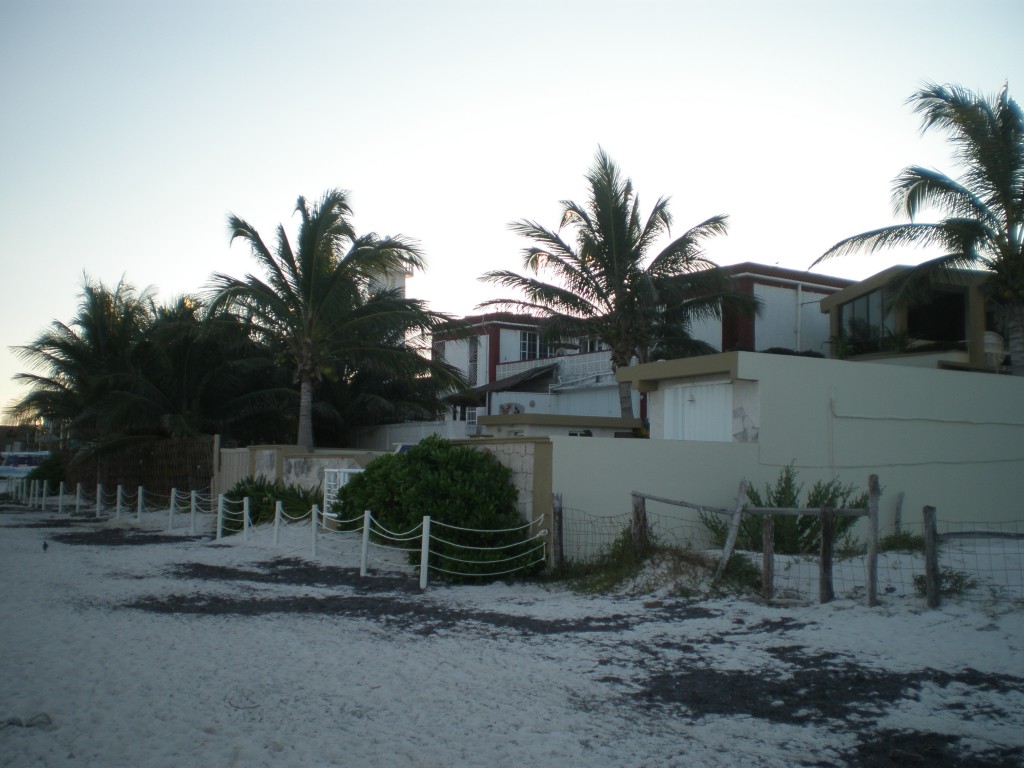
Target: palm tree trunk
[
  {"x": 626, "y": 400},
  {"x": 305, "y": 439},
  {"x": 1015, "y": 337}
]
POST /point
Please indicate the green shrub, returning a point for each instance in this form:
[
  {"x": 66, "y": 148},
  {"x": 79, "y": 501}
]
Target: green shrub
[
  {"x": 263, "y": 496},
  {"x": 50, "y": 469},
  {"x": 740, "y": 574},
  {"x": 615, "y": 563},
  {"x": 951, "y": 583},
  {"x": 455, "y": 485},
  {"x": 901, "y": 542},
  {"x": 793, "y": 534}
]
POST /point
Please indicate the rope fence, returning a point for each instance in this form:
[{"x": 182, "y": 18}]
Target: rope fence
[{"x": 429, "y": 546}]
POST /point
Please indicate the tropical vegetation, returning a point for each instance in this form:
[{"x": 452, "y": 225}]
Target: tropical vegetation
[
  {"x": 323, "y": 338},
  {"x": 466, "y": 491},
  {"x": 607, "y": 281},
  {"x": 982, "y": 210},
  {"x": 331, "y": 305},
  {"x": 793, "y": 534}
]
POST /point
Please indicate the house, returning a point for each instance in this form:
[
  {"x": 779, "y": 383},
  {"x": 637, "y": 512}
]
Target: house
[
  {"x": 954, "y": 328},
  {"x": 521, "y": 386},
  {"x": 790, "y": 316}
]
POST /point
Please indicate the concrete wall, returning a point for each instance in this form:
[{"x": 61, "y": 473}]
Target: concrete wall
[
  {"x": 530, "y": 462},
  {"x": 287, "y": 463},
  {"x": 386, "y": 437},
  {"x": 950, "y": 439}
]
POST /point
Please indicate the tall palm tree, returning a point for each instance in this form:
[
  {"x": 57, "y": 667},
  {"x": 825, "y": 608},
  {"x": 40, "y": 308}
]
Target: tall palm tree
[
  {"x": 327, "y": 301},
  {"x": 77, "y": 362},
  {"x": 194, "y": 374},
  {"x": 607, "y": 285},
  {"x": 983, "y": 222}
]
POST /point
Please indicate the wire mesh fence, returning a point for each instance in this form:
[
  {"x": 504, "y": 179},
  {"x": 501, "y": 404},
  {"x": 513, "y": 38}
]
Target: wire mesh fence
[{"x": 977, "y": 561}]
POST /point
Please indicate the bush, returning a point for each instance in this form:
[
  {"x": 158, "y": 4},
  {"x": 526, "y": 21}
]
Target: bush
[
  {"x": 793, "y": 534},
  {"x": 614, "y": 564},
  {"x": 951, "y": 583},
  {"x": 455, "y": 485},
  {"x": 263, "y": 496},
  {"x": 901, "y": 542},
  {"x": 50, "y": 469}
]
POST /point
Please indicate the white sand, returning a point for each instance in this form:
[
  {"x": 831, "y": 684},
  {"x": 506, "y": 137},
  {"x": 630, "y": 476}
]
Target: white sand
[{"x": 116, "y": 686}]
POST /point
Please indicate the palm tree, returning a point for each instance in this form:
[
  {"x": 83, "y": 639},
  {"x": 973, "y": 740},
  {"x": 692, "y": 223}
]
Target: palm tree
[
  {"x": 78, "y": 362},
  {"x": 328, "y": 301},
  {"x": 193, "y": 374},
  {"x": 606, "y": 285},
  {"x": 983, "y": 224}
]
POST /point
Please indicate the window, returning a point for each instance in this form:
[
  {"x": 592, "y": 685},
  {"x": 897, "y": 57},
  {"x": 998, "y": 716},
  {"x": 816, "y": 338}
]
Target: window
[
  {"x": 865, "y": 321},
  {"x": 943, "y": 319},
  {"x": 590, "y": 344},
  {"x": 530, "y": 347}
]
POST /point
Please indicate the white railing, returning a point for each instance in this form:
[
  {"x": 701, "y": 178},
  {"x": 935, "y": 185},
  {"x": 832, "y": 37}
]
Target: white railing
[{"x": 570, "y": 367}]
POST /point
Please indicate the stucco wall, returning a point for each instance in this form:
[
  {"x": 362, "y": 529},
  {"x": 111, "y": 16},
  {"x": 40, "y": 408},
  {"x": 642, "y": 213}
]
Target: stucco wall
[
  {"x": 949, "y": 439},
  {"x": 308, "y": 471}
]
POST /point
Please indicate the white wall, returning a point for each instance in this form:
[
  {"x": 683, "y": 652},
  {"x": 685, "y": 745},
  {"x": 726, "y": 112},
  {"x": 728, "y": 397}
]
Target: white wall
[
  {"x": 949, "y": 439},
  {"x": 508, "y": 345},
  {"x": 791, "y": 320},
  {"x": 783, "y": 313},
  {"x": 456, "y": 353}
]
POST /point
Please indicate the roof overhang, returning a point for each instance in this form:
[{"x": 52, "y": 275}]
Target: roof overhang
[
  {"x": 477, "y": 395},
  {"x": 647, "y": 377}
]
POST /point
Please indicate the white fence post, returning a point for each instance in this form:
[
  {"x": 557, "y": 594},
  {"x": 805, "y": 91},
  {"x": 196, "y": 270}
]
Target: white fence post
[
  {"x": 117, "y": 507},
  {"x": 192, "y": 514},
  {"x": 277, "y": 521},
  {"x": 312, "y": 524},
  {"x": 60, "y": 498},
  {"x": 78, "y": 498},
  {"x": 425, "y": 552},
  {"x": 141, "y": 503},
  {"x": 170, "y": 512},
  {"x": 45, "y": 489},
  {"x": 245, "y": 519},
  {"x": 99, "y": 498},
  {"x": 366, "y": 542},
  {"x": 220, "y": 513}
]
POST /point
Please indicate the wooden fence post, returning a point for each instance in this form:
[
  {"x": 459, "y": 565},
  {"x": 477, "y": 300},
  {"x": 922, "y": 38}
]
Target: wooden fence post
[
  {"x": 557, "y": 535},
  {"x": 931, "y": 558},
  {"x": 734, "y": 529},
  {"x": 639, "y": 525},
  {"x": 871, "y": 578},
  {"x": 768, "y": 557},
  {"x": 825, "y": 590}
]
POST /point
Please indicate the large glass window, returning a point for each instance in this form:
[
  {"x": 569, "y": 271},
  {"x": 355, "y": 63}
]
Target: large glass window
[
  {"x": 530, "y": 347},
  {"x": 865, "y": 322}
]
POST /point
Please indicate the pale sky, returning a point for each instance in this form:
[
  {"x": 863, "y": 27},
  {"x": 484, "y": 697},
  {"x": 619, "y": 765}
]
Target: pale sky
[{"x": 130, "y": 128}]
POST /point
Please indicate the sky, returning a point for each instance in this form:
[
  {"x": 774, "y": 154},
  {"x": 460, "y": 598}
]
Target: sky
[{"x": 129, "y": 130}]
